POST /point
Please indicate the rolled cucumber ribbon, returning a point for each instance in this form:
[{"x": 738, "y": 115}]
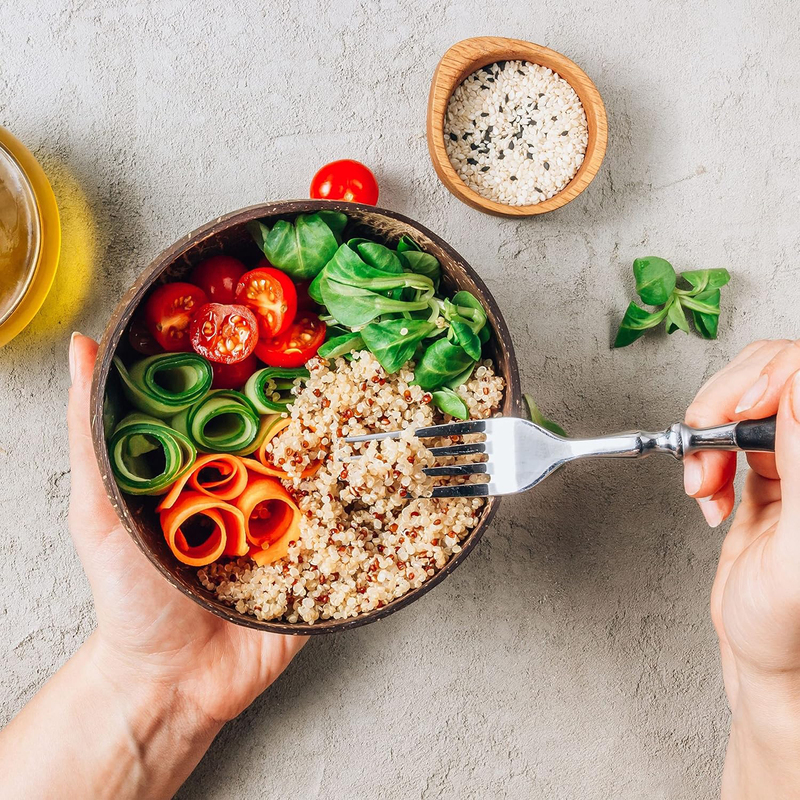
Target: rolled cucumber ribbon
[
  {"x": 166, "y": 384},
  {"x": 270, "y": 389},
  {"x": 224, "y": 421},
  {"x": 147, "y": 456}
]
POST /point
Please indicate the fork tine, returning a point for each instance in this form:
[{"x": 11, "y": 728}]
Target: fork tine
[
  {"x": 452, "y": 429},
  {"x": 462, "y": 490},
  {"x": 373, "y": 437},
  {"x": 456, "y": 469},
  {"x": 458, "y": 449}
]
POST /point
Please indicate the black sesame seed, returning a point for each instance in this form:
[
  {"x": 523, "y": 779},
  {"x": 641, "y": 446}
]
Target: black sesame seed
[
  {"x": 491, "y": 80},
  {"x": 513, "y": 177},
  {"x": 501, "y": 64},
  {"x": 471, "y": 161},
  {"x": 533, "y": 122},
  {"x": 535, "y": 106},
  {"x": 500, "y": 109},
  {"x": 484, "y": 169},
  {"x": 538, "y": 189},
  {"x": 453, "y": 137},
  {"x": 541, "y": 94},
  {"x": 530, "y": 156},
  {"x": 563, "y": 133},
  {"x": 506, "y": 98},
  {"x": 484, "y": 113},
  {"x": 484, "y": 86},
  {"x": 518, "y": 134},
  {"x": 489, "y": 128},
  {"x": 554, "y": 118},
  {"x": 501, "y": 156},
  {"x": 511, "y": 145},
  {"x": 547, "y": 165},
  {"x": 520, "y": 72},
  {"x": 473, "y": 146},
  {"x": 464, "y": 136}
]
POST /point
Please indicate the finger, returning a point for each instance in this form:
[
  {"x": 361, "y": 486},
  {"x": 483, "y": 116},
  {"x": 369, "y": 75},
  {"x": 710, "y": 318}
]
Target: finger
[
  {"x": 762, "y": 397},
  {"x": 718, "y": 507},
  {"x": 90, "y": 512},
  {"x": 787, "y": 458},
  {"x": 764, "y": 465},
  {"x": 710, "y": 474}
]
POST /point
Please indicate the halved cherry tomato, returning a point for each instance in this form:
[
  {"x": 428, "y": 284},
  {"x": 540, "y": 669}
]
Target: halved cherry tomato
[
  {"x": 218, "y": 277},
  {"x": 296, "y": 345},
  {"x": 345, "y": 180},
  {"x": 224, "y": 334},
  {"x": 234, "y": 376},
  {"x": 168, "y": 312},
  {"x": 271, "y": 296},
  {"x": 140, "y": 337}
]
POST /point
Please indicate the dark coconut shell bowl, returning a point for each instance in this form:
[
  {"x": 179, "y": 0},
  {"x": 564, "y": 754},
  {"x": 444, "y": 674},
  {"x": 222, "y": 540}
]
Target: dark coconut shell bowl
[{"x": 229, "y": 235}]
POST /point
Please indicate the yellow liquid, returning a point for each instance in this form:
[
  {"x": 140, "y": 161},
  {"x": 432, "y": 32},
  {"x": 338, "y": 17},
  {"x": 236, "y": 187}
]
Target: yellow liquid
[{"x": 19, "y": 234}]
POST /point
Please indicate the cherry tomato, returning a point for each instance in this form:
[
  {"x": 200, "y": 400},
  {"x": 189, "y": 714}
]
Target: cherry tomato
[
  {"x": 271, "y": 296},
  {"x": 296, "y": 344},
  {"x": 224, "y": 334},
  {"x": 140, "y": 337},
  {"x": 345, "y": 180},
  {"x": 234, "y": 376},
  {"x": 304, "y": 301},
  {"x": 218, "y": 277},
  {"x": 168, "y": 312}
]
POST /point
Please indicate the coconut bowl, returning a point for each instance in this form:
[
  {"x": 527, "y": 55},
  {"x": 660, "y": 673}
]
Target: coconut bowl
[{"x": 228, "y": 234}]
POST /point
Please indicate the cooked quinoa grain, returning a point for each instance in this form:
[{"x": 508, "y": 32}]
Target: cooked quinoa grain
[
  {"x": 368, "y": 534},
  {"x": 515, "y": 132}
]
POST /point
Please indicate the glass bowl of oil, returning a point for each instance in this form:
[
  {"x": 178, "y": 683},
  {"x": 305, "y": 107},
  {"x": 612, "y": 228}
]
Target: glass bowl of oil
[{"x": 30, "y": 236}]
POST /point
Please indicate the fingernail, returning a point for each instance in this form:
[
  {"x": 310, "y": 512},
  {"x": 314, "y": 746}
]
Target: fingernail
[
  {"x": 711, "y": 511},
  {"x": 692, "y": 476},
  {"x": 796, "y": 397},
  {"x": 72, "y": 356},
  {"x": 753, "y": 394}
]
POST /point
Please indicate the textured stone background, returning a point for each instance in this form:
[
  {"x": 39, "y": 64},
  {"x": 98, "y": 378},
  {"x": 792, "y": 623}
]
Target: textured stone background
[{"x": 571, "y": 656}]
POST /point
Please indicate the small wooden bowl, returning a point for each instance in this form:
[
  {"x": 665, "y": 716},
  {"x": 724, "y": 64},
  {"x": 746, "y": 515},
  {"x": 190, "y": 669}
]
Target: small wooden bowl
[
  {"x": 229, "y": 234},
  {"x": 469, "y": 55}
]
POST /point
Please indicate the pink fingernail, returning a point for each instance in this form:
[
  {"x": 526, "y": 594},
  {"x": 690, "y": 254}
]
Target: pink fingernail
[
  {"x": 692, "y": 476},
  {"x": 753, "y": 394},
  {"x": 72, "y": 356},
  {"x": 711, "y": 511}
]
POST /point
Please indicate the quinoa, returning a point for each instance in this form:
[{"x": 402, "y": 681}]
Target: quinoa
[
  {"x": 515, "y": 132},
  {"x": 369, "y": 533}
]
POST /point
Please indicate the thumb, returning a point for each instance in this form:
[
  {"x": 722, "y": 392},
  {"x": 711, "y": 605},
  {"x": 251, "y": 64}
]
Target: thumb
[
  {"x": 90, "y": 512},
  {"x": 787, "y": 459}
]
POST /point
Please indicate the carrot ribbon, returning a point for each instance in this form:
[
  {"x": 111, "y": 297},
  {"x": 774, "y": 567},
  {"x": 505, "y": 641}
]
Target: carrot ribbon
[{"x": 200, "y": 529}]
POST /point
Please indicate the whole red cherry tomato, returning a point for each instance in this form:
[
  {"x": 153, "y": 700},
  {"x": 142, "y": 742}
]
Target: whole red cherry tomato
[
  {"x": 345, "y": 180},
  {"x": 234, "y": 376},
  {"x": 168, "y": 312},
  {"x": 299, "y": 342},
  {"x": 218, "y": 277},
  {"x": 224, "y": 334},
  {"x": 271, "y": 296}
]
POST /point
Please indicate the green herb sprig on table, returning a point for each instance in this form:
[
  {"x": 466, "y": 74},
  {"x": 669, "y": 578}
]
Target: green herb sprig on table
[{"x": 695, "y": 293}]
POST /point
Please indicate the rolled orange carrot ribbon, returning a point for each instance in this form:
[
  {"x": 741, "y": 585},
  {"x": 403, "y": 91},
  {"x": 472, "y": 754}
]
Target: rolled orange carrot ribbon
[
  {"x": 268, "y": 468},
  {"x": 216, "y": 529},
  {"x": 271, "y": 518},
  {"x": 227, "y": 481}
]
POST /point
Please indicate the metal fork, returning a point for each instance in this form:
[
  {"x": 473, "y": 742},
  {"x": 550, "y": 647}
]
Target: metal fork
[{"x": 521, "y": 454}]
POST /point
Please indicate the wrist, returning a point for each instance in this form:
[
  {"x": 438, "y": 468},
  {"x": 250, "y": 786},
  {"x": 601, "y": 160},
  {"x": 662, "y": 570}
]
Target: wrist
[
  {"x": 763, "y": 757},
  {"x": 165, "y": 734}
]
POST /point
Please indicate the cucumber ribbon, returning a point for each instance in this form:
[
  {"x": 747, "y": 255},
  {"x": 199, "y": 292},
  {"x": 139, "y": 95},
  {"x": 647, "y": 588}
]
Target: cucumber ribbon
[
  {"x": 270, "y": 389},
  {"x": 224, "y": 421},
  {"x": 166, "y": 384},
  {"x": 147, "y": 456}
]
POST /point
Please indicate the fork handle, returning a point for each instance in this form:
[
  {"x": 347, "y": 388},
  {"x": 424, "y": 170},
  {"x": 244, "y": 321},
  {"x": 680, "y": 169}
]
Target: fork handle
[{"x": 752, "y": 435}]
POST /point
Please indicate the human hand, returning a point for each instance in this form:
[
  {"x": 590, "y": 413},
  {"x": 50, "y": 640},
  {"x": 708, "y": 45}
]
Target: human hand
[
  {"x": 755, "y": 600},
  {"x": 148, "y": 631}
]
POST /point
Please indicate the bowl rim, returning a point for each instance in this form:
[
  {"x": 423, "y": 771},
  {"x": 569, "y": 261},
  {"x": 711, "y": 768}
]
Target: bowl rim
[
  {"x": 111, "y": 338},
  {"x": 465, "y": 57}
]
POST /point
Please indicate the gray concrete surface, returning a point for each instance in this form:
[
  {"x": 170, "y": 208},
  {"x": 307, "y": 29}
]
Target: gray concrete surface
[{"x": 572, "y": 655}]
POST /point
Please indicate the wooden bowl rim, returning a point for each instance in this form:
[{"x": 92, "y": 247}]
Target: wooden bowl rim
[
  {"x": 117, "y": 325},
  {"x": 462, "y": 57}
]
